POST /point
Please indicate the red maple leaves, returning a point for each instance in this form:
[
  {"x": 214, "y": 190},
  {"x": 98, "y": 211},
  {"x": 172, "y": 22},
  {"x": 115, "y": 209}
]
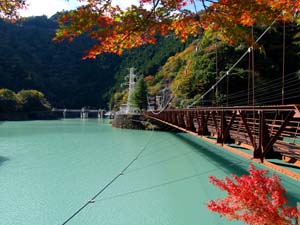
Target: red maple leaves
[
  {"x": 115, "y": 29},
  {"x": 255, "y": 199}
]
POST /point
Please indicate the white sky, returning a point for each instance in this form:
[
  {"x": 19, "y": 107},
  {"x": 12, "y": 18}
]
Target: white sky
[{"x": 50, "y": 7}]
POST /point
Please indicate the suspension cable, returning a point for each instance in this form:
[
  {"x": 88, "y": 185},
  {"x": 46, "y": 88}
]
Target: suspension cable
[
  {"x": 269, "y": 90},
  {"x": 92, "y": 200},
  {"x": 249, "y": 77},
  {"x": 253, "y": 86},
  {"x": 234, "y": 65},
  {"x": 226, "y": 74},
  {"x": 283, "y": 65},
  {"x": 166, "y": 105}
]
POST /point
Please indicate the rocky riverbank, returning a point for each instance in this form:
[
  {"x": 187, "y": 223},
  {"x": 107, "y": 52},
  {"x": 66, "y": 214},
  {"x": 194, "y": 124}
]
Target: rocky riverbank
[{"x": 138, "y": 121}]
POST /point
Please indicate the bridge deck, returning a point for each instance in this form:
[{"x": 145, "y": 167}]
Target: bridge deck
[{"x": 269, "y": 132}]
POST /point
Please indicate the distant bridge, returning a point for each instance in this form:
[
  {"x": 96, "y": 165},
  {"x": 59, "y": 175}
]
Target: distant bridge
[
  {"x": 266, "y": 131},
  {"x": 83, "y": 112}
]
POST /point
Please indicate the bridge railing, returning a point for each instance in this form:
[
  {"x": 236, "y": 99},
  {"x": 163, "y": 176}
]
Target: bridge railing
[{"x": 270, "y": 131}]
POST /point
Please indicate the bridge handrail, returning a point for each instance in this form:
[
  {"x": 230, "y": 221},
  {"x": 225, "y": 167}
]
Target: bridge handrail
[{"x": 269, "y": 108}]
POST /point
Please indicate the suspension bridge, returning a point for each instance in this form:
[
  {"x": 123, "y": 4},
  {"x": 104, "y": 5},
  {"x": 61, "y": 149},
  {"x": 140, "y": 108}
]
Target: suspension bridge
[
  {"x": 255, "y": 122},
  {"x": 268, "y": 132}
]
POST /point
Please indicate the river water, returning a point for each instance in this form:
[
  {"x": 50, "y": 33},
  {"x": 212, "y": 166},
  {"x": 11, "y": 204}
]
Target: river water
[{"x": 49, "y": 169}]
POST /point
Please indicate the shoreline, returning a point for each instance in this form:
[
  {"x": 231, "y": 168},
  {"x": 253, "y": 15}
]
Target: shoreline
[{"x": 23, "y": 116}]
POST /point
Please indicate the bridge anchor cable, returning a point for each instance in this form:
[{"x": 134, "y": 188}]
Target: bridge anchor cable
[
  {"x": 93, "y": 199},
  {"x": 248, "y": 51}
]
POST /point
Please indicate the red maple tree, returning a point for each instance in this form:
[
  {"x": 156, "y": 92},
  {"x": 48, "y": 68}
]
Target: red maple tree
[
  {"x": 115, "y": 29},
  {"x": 255, "y": 199}
]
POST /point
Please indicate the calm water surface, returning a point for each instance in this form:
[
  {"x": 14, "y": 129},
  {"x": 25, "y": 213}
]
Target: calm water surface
[{"x": 49, "y": 169}]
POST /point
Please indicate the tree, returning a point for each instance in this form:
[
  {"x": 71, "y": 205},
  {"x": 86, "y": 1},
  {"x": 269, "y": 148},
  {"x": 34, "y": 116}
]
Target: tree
[
  {"x": 33, "y": 100},
  {"x": 8, "y": 101},
  {"x": 114, "y": 29},
  {"x": 254, "y": 199},
  {"x": 139, "y": 96},
  {"x": 9, "y": 8}
]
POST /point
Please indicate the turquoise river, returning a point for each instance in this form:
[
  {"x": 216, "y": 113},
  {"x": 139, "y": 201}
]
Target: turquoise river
[{"x": 49, "y": 169}]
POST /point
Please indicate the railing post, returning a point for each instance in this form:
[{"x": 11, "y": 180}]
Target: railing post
[
  {"x": 257, "y": 154},
  {"x": 245, "y": 122},
  {"x": 268, "y": 148},
  {"x": 191, "y": 120},
  {"x": 179, "y": 119},
  {"x": 221, "y": 133},
  {"x": 174, "y": 120},
  {"x": 199, "y": 130},
  {"x": 226, "y": 135}
]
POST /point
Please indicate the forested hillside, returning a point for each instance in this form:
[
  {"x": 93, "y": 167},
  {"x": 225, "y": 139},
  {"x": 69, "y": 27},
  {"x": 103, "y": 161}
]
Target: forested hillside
[
  {"x": 29, "y": 59},
  {"x": 189, "y": 74}
]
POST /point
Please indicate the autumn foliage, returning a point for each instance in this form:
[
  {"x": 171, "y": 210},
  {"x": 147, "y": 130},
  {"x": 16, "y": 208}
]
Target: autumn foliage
[
  {"x": 255, "y": 199},
  {"x": 115, "y": 29},
  {"x": 9, "y": 8}
]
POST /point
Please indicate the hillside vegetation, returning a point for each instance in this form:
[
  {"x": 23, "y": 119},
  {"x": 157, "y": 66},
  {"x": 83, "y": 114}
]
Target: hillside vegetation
[
  {"x": 29, "y": 59},
  {"x": 187, "y": 75}
]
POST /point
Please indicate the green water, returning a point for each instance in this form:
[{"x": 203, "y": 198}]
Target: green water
[{"x": 49, "y": 169}]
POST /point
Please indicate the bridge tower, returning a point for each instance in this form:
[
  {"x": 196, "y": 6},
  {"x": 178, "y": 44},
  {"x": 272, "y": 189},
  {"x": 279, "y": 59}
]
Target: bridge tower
[
  {"x": 131, "y": 84},
  {"x": 84, "y": 113},
  {"x": 65, "y": 113},
  {"x": 100, "y": 113}
]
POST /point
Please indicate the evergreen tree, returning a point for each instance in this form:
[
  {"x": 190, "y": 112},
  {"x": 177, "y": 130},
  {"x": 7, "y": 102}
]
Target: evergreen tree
[
  {"x": 8, "y": 101},
  {"x": 139, "y": 96}
]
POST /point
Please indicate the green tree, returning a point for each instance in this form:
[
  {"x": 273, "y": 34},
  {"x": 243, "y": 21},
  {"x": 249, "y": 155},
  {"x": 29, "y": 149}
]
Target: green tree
[
  {"x": 139, "y": 96},
  {"x": 33, "y": 100},
  {"x": 8, "y": 101}
]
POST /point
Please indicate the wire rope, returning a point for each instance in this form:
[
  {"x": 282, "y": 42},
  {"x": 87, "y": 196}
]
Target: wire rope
[
  {"x": 291, "y": 83},
  {"x": 249, "y": 50},
  {"x": 166, "y": 105},
  {"x": 273, "y": 80},
  {"x": 169, "y": 182},
  {"x": 92, "y": 200}
]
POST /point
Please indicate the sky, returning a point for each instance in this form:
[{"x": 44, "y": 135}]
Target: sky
[{"x": 50, "y": 7}]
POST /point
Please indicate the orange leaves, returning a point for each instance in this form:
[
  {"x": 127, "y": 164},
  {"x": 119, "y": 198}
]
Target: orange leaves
[
  {"x": 184, "y": 27},
  {"x": 115, "y": 29},
  {"x": 117, "y": 42},
  {"x": 254, "y": 199},
  {"x": 246, "y": 19},
  {"x": 230, "y": 19},
  {"x": 9, "y": 8}
]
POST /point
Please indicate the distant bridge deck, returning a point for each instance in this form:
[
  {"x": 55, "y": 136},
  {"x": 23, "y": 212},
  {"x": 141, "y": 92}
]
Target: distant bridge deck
[
  {"x": 78, "y": 110},
  {"x": 83, "y": 112},
  {"x": 267, "y": 132}
]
